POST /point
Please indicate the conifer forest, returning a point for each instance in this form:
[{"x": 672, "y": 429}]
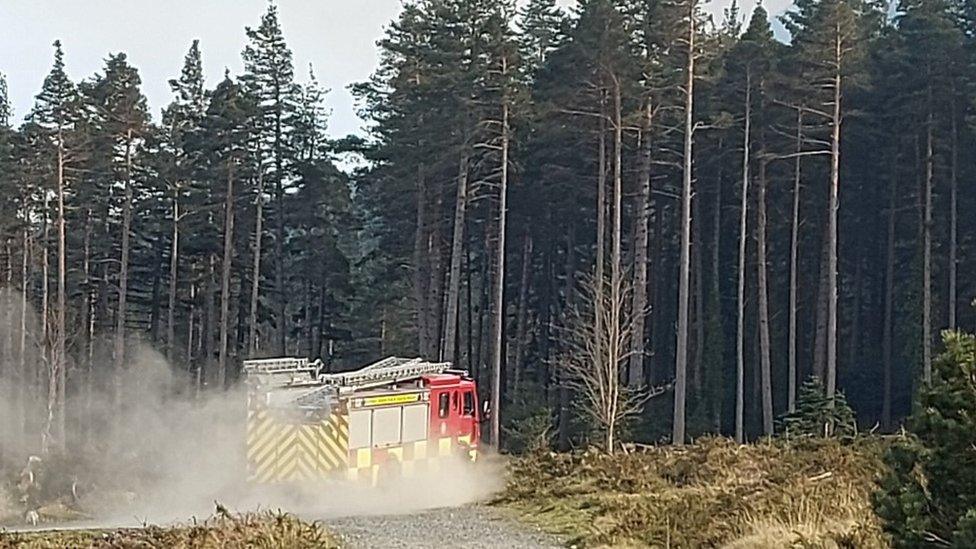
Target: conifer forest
[{"x": 629, "y": 220}]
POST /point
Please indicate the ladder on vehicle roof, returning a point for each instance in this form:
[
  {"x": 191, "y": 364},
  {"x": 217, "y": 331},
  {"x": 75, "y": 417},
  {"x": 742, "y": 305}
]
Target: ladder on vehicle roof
[{"x": 290, "y": 372}]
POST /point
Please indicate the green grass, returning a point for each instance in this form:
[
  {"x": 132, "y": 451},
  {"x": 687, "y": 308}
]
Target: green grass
[{"x": 710, "y": 494}]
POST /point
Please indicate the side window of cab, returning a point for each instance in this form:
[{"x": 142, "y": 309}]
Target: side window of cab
[{"x": 443, "y": 405}]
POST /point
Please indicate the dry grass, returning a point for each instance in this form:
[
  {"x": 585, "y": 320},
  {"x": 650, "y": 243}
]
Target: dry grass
[
  {"x": 252, "y": 531},
  {"x": 710, "y": 494}
]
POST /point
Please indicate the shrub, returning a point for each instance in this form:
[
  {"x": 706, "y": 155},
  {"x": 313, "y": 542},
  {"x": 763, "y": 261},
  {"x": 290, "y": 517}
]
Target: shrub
[
  {"x": 927, "y": 499},
  {"x": 818, "y": 416}
]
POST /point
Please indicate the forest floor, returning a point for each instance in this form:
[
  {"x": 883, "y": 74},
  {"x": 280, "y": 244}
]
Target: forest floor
[{"x": 710, "y": 494}]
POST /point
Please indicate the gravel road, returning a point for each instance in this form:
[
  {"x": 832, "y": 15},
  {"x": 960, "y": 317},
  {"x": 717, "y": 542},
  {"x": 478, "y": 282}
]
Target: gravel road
[{"x": 470, "y": 526}]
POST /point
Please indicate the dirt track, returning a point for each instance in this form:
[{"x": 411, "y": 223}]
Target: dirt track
[{"x": 470, "y": 526}]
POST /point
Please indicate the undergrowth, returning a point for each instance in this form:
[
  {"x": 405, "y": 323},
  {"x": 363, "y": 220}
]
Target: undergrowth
[
  {"x": 715, "y": 493},
  {"x": 225, "y": 531}
]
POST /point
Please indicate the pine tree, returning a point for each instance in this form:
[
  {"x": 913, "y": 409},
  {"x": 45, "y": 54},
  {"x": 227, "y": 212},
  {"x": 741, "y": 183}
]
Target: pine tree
[
  {"x": 816, "y": 415},
  {"x": 123, "y": 116},
  {"x": 181, "y": 119},
  {"x": 926, "y": 498},
  {"x": 269, "y": 77},
  {"x": 55, "y": 113}
]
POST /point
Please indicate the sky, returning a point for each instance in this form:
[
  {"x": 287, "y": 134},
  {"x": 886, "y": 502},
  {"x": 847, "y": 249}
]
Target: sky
[{"x": 338, "y": 37}]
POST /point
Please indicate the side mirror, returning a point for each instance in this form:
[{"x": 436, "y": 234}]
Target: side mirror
[{"x": 485, "y": 411}]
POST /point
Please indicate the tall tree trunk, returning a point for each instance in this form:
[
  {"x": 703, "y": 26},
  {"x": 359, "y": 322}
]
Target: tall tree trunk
[
  {"x": 889, "y": 300},
  {"x": 635, "y": 376},
  {"x": 681, "y": 349},
  {"x": 457, "y": 250},
  {"x": 521, "y": 318},
  {"x": 716, "y": 330},
  {"x": 564, "y": 412},
  {"x": 762, "y": 282},
  {"x": 794, "y": 256},
  {"x": 59, "y": 358},
  {"x": 225, "y": 277},
  {"x": 421, "y": 264},
  {"x": 281, "y": 294},
  {"x": 207, "y": 326},
  {"x": 698, "y": 296},
  {"x": 953, "y": 218},
  {"x": 88, "y": 318},
  {"x": 174, "y": 263},
  {"x": 832, "y": 223},
  {"x": 601, "y": 228},
  {"x": 252, "y": 319},
  {"x": 741, "y": 284},
  {"x": 820, "y": 337},
  {"x": 498, "y": 327},
  {"x": 119, "y": 349},
  {"x": 25, "y": 295},
  {"x": 616, "y": 353},
  {"x": 927, "y": 252}
]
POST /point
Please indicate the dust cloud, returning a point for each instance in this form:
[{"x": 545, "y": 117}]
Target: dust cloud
[{"x": 144, "y": 446}]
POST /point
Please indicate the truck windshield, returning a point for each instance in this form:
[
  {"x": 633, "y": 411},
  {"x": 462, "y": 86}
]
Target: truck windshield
[{"x": 468, "y": 404}]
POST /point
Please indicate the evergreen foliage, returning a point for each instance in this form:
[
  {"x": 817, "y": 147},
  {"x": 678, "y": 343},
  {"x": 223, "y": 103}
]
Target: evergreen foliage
[
  {"x": 926, "y": 499},
  {"x": 817, "y": 416}
]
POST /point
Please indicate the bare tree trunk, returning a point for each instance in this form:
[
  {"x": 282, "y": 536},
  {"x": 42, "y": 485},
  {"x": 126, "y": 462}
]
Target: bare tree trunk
[
  {"x": 832, "y": 225},
  {"x": 225, "y": 277},
  {"x": 207, "y": 326},
  {"x": 88, "y": 317},
  {"x": 421, "y": 264},
  {"x": 457, "y": 250},
  {"x": 636, "y": 371},
  {"x": 617, "y": 235},
  {"x": 741, "y": 285},
  {"x": 889, "y": 299},
  {"x": 794, "y": 256},
  {"x": 601, "y": 224},
  {"x": 23, "y": 394},
  {"x": 119, "y": 354},
  {"x": 698, "y": 356},
  {"x": 927, "y": 253},
  {"x": 716, "y": 332},
  {"x": 564, "y": 395},
  {"x": 58, "y": 358},
  {"x": 764, "y": 344},
  {"x": 681, "y": 349},
  {"x": 281, "y": 294},
  {"x": 820, "y": 337},
  {"x": 521, "y": 320},
  {"x": 499, "y": 281},
  {"x": 252, "y": 320},
  {"x": 953, "y": 219},
  {"x": 435, "y": 294},
  {"x": 174, "y": 263},
  {"x": 190, "y": 327}
]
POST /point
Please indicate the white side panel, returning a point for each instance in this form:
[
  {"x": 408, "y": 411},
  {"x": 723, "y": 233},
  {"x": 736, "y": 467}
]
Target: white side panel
[
  {"x": 386, "y": 426},
  {"x": 415, "y": 421},
  {"x": 360, "y": 428}
]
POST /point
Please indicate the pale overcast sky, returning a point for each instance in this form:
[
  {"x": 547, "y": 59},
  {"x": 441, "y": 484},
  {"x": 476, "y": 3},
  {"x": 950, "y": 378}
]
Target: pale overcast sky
[{"x": 337, "y": 36}]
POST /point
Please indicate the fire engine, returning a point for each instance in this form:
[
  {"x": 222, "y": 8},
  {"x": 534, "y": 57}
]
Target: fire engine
[{"x": 394, "y": 417}]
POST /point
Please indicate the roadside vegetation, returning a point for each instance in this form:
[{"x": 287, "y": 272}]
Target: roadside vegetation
[
  {"x": 714, "y": 493},
  {"x": 254, "y": 531}
]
